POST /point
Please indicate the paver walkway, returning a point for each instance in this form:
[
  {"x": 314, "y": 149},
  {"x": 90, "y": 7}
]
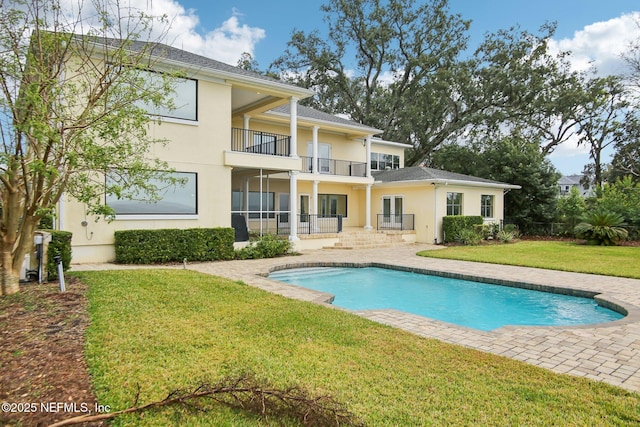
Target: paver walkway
[{"x": 609, "y": 352}]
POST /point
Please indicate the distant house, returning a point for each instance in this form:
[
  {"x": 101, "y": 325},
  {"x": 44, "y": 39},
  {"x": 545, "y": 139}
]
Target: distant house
[
  {"x": 251, "y": 156},
  {"x": 566, "y": 182}
]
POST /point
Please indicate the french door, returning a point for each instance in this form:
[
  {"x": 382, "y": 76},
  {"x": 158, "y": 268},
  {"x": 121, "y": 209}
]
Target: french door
[{"x": 392, "y": 209}]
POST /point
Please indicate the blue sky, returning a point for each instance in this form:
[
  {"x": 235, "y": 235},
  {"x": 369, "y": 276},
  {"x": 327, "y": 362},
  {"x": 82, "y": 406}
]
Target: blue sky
[{"x": 596, "y": 31}]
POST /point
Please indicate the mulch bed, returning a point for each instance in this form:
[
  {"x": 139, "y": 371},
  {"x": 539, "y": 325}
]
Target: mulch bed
[{"x": 43, "y": 374}]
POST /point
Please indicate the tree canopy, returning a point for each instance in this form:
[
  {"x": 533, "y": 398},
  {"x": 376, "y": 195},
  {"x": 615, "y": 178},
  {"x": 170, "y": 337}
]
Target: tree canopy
[{"x": 405, "y": 67}]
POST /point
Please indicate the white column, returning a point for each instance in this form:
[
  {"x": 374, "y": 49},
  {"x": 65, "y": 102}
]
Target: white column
[
  {"x": 293, "y": 127},
  {"x": 367, "y": 225},
  {"x": 368, "y": 160},
  {"x": 245, "y": 206},
  {"x": 435, "y": 214},
  {"x": 245, "y": 126},
  {"x": 314, "y": 209},
  {"x": 314, "y": 160},
  {"x": 260, "y": 201},
  {"x": 293, "y": 206}
]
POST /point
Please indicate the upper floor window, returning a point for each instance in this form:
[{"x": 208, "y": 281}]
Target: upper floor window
[
  {"x": 380, "y": 161},
  {"x": 454, "y": 203},
  {"x": 184, "y": 98},
  {"x": 486, "y": 206},
  {"x": 180, "y": 198}
]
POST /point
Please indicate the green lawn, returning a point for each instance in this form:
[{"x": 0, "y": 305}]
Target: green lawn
[
  {"x": 623, "y": 261},
  {"x": 167, "y": 329}
]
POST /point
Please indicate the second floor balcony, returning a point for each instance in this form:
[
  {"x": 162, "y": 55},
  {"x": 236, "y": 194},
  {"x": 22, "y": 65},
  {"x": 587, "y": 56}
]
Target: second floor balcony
[
  {"x": 335, "y": 167},
  {"x": 258, "y": 142},
  {"x": 273, "y": 144}
]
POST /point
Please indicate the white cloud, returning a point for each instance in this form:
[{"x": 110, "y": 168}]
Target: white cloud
[
  {"x": 225, "y": 43},
  {"x": 601, "y": 44}
]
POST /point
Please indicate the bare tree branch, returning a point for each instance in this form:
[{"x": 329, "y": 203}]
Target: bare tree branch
[{"x": 246, "y": 393}]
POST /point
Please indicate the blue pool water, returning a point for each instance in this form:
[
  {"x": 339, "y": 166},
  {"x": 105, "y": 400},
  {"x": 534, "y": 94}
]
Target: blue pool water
[{"x": 472, "y": 304}]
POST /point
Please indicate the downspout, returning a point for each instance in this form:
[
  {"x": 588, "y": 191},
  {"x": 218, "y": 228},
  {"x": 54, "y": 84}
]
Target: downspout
[
  {"x": 435, "y": 214},
  {"x": 61, "y": 212}
]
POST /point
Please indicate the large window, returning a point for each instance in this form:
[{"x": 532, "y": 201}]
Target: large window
[
  {"x": 486, "y": 206},
  {"x": 180, "y": 198},
  {"x": 185, "y": 98},
  {"x": 380, "y": 161},
  {"x": 330, "y": 205},
  {"x": 454, "y": 203},
  {"x": 268, "y": 203}
]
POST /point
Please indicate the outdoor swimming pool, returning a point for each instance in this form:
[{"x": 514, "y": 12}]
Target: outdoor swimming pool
[{"x": 476, "y": 305}]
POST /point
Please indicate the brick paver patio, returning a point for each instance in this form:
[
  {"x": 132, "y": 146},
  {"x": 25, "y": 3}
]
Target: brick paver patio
[{"x": 608, "y": 352}]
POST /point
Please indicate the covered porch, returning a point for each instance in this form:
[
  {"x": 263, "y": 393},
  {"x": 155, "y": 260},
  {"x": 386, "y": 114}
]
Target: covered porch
[{"x": 262, "y": 204}]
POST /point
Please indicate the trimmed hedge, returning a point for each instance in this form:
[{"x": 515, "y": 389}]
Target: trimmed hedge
[
  {"x": 60, "y": 245},
  {"x": 453, "y": 226},
  {"x": 174, "y": 245}
]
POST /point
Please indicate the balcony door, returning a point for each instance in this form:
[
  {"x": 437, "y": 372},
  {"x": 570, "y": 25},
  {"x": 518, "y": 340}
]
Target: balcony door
[{"x": 324, "y": 156}]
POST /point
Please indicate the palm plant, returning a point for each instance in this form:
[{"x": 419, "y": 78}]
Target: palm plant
[{"x": 602, "y": 227}]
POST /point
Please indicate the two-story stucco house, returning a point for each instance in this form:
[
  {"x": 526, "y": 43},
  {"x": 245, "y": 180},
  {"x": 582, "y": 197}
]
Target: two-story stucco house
[{"x": 251, "y": 156}]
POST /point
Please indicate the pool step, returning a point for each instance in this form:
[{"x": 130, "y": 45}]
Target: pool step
[{"x": 368, "y": 240}]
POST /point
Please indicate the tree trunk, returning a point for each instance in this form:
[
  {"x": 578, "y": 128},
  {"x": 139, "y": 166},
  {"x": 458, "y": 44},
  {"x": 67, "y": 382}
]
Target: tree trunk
[{"x": 10, "y": 277}]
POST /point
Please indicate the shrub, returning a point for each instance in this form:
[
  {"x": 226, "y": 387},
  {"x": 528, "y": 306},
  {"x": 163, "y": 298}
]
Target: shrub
[
  {"x": 452, "y": 225},
  {"x": 505, "y": 236},
  {"x": 513, "y": 229},
  {"x": 268, "y": 246},
  {"x": 60, "y": 245},
  {"x": 602, "y": 227},
  {"x": 174, "y": 245},
  {"x": 570, "y": 209},
  {"x": 487, "y": 231},
  {"x": 468, "y": 236}
]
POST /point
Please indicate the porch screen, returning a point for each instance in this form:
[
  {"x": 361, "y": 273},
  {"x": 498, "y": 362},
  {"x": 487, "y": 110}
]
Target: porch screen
[{"x": 331, "y": 205}]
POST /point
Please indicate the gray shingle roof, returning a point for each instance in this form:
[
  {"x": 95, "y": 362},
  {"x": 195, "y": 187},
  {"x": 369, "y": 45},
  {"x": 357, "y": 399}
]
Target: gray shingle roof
[
  {"x": 189, "y": 59},
  {"x": 313, "y": 114},
  {"x": 421, "y": 173},
  {"x": 175, "y": 54}
]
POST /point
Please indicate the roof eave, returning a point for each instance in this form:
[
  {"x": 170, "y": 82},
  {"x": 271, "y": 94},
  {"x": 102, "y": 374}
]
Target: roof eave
[
  {"x": 359, "y": 129},
  {"x": 441, "y": 181}
]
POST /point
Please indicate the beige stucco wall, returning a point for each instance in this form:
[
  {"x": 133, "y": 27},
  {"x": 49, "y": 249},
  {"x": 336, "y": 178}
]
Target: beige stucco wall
[
  {"x": 428, "y": 203},
  {"x": 192, "y": 147}
]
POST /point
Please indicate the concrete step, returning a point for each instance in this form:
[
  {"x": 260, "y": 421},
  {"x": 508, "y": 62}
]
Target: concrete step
[{"x": 367, "y": 240}]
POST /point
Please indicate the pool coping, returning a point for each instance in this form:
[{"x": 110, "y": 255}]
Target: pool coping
[{"x": 630, "y": 311}]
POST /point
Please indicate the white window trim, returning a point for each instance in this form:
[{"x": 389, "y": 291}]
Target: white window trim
[
  {"x": 143, "y": 217},
  {"x": 175, "y": 120}
]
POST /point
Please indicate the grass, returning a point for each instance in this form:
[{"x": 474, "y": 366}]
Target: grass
[
  {"x": 621, "y": 261},
  {"x": 168, "y": 329}
]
